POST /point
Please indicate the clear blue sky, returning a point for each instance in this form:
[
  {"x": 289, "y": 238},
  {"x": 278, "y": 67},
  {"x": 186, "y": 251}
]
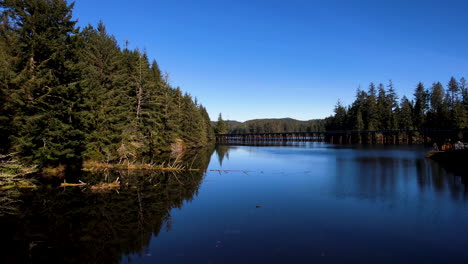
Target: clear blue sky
[{"x": 264, "y": 59}]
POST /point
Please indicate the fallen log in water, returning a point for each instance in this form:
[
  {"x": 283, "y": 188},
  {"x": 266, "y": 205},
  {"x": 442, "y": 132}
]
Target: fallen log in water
[{"x": 66, "y": 184}]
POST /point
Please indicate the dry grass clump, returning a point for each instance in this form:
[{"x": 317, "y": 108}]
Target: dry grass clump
[
  {"x": 106, "y": 186},
  {"x": 13, "y": 173},
  {"x": 94, "y": 165}
]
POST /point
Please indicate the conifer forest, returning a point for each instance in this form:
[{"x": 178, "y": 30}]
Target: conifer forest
[
  {"x": 70, "y": 94},
  {"x": 379, "y": 108}
]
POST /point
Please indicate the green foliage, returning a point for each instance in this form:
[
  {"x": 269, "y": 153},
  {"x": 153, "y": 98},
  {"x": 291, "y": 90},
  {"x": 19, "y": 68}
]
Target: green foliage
[
  {"x": 340, "y": 116},
  {"x": 43, "y": 82},
  {"x": 221, "y": 126},
  {"x": 438, "y": 113},
  {"x": 405, "y": 115},
  {"x": 420, "y": 106},
  {"x": 69, "y": 95},
  {"x": 379, "y": 110},
  {"x": 278, "y": 126}
]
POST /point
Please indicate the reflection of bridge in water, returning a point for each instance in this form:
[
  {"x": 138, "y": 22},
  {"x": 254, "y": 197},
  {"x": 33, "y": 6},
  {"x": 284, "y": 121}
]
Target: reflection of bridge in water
[{"x": 348, "y": 136}]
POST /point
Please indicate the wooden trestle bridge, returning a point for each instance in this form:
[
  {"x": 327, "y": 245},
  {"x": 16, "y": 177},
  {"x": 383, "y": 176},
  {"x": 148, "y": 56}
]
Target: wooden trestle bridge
[{"x": 348, "y": 137}]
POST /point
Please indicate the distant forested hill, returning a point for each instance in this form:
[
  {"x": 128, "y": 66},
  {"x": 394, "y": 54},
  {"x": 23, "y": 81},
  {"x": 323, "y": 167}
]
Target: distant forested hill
[
  {"x": 276, "y": 126},
  {"x": 230, "y": 123}
]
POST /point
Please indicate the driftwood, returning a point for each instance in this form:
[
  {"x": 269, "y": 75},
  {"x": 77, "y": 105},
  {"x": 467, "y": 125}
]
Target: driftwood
[{"x": 65, "y": 184}]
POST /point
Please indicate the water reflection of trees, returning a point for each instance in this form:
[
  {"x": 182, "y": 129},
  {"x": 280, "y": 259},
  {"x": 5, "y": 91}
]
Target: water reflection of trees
[
  {"x": 442, "y": 179},
  {"x": 78, "y": 225},
  {"x": 385, "y": 177},
  {"x": 222, "y": 151}
]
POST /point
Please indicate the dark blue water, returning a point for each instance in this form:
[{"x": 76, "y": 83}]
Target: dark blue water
[
  {"x": 318, "y": 203},
  {"x": 303, "y": 203}
]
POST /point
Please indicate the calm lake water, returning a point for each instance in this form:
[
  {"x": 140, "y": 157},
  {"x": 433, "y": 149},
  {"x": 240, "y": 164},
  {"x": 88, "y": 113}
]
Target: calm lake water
[{"x": 302, "y": 203}]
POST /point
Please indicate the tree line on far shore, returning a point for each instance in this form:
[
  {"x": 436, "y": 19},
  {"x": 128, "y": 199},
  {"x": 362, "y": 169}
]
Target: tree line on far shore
[
  {"x": 69, "y": 94},
  {"x": 267, "y": 125},
  {"x": 278, "y": 125},
  {"x": 379, "y": 108}
]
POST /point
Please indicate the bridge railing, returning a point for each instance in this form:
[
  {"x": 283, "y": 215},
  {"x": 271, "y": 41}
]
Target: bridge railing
[{"x": 393, "y": 136}]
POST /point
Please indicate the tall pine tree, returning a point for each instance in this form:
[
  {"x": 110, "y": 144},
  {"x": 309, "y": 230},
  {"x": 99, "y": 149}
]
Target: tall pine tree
[{"x": 45, "y": 87}]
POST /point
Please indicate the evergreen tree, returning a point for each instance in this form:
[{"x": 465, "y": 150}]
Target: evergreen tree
[
  {"x": 45, "y": 87},
  {"x": 464, "y": 92},
  {"x": 452, "y": 90},
  {"x": 420, "y": 106},
  {"x": 355, "y": 113},
  {"x": 437, "y": 97},
  {"x": 192, "y": 122},
  {"x": 339, "y": 121},
  {"x": 359, "y": 121},
  {"x": 462, "y": 108},
  {"x": 68, "y": 95},
  {"x": 392, "y": 96},
  {"x": 384, "y": 108},
  {"x": 370, "y": 113},
  {"x": 438, "y": 108},
  {"x": 405, "y": 115},
  {"x": 392, "y": 101},
  {"x": 207, "y": 124},
  {"x": 221, "y": 126},
  {"x": 459, "y": 111},
  {"x": 8, "y": 60},
  {"x": 101, "y": 63}
]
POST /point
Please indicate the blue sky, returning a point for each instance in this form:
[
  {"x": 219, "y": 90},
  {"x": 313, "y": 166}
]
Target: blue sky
[{"x": 273, "y": 59}]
